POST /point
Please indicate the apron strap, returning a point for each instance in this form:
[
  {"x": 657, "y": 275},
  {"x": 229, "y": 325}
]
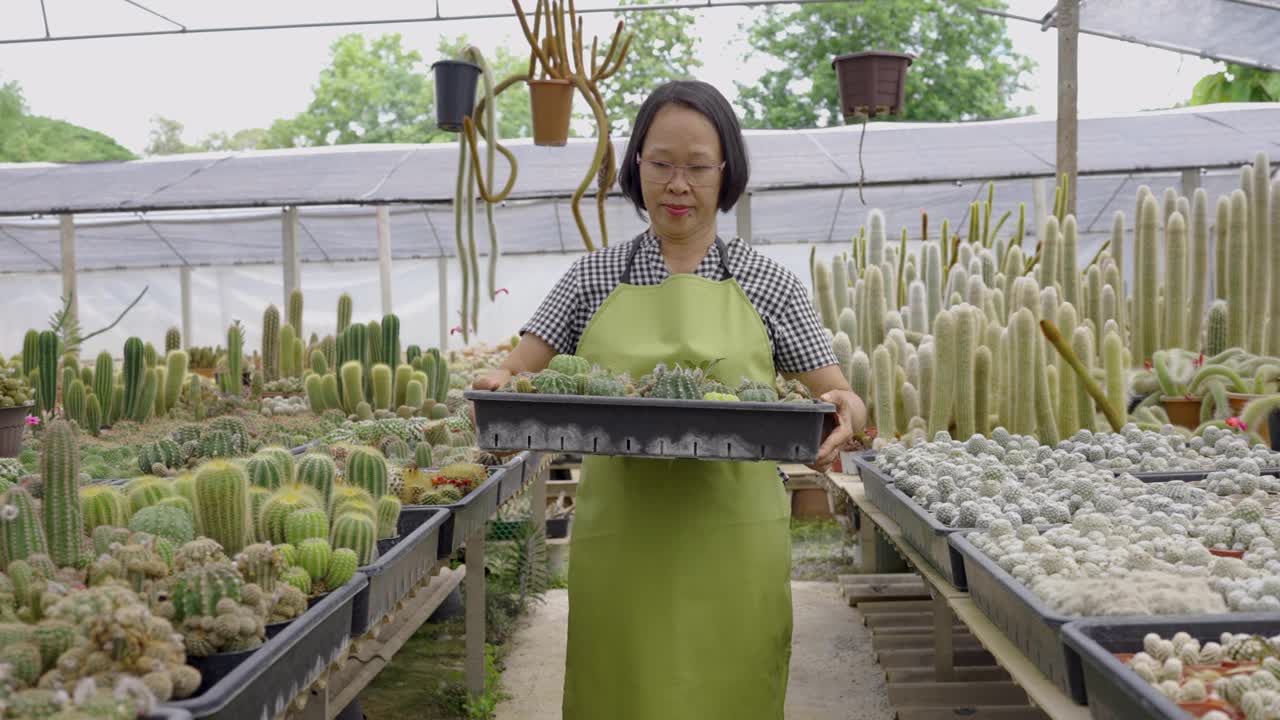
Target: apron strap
[{"x": 635, "y": 249}]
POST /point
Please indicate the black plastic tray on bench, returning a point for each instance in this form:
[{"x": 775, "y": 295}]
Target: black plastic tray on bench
[
  {"x": 515, "y": 476},
  {"x": 650, "y": 427},
  {"x": 267, "y": 681},
  {"x": 470, "y": 512},
  {"x": 160, "y": 712},
  {"x": 1115, "y": 691},
  {"x": 1021, "y": 616},
  {"x": 402, "y": 563}
]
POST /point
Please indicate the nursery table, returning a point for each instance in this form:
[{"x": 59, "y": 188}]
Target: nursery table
[{"x": 880, "y": 537}]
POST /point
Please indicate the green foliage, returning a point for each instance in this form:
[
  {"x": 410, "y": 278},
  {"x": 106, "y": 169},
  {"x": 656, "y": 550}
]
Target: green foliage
[
  {"x": 668, "y": 52},
  {"x": 1237, "y": 83},
  {"x": 31, "y": 138},
  {"x": 965, "y": 67}
]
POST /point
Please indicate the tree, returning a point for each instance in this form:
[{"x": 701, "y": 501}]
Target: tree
[
  {"x": 1238, "y": 83},
  {"x": 964, "y": 66},
  {"x": 31, "y": 138},
  {"x": 664, "y": 49},
  {"x": 166, "y": 137}
]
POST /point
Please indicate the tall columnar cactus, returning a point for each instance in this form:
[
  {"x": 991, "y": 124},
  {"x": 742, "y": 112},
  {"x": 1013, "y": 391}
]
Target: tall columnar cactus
[
  {"x": 1260, "y": 248},
  {"x": 47, "y": 389},
  {"x": 383, "y": 394},
  {"x": 147, "y": 400},
  {"x": 314, "y": 386},
  {"x": 1113, "y": 362},
  {"x": 982, "y": 379},
  {"x": 860, "y": 375},
  {"x": 825, "y": 291},
  {"x": 358, "y": 533},
  {"x": 174, "y": 376},
  {"x": 876, "y": 237},
  {"x": 104, "y": 375},
  {"x": 388, "y": 516},
  {"x": 104, "y": 505},
  {"x": 1082, "y": 346},
  {"x": 375, "y": 342},
  {"x": 195, "y": 397},
  {"x": 1068, "y": 397},
  {"x": 1049, "y": 270},
  {"x": 874, "y": 308},
  {"x": 1198, "y": 266},
  {"x": 285, "y": 342},
  {"x": 1023, "y": 341},
  {"x": 93, "y": 415},
  {"x": 404, "y": 375},
  {"x": 1273, "y": 261},
  {"x": 318, "y": 472},
  {"x": 965, "y": 389},
  {"x": 344, "y": 312},
  {"x": 73, "y": 402},
  {"x": 885, "y": 389},
  {"x": 271, "y": 343},
  {"x": 1070, "y": 277},
  {"x": 1237, "y": 272},
  {"x": 149, "y": 354},
  {"x": 946, "y": 362},
  {"x": 840, "y": 286},
  {"x": 843, "y": 349},
  {"x": 20, "y": 527},
  {"x": 1046, "y": 422},
  {"x": 352, "y": 385},
  {"x": 319, "y": 363},
  {"x": 172, "y": 340},
  {"x": 60, "y": 471},
  {"x": 30, "y": 352},
  {"x": 222, "y": 504},
  {"x": 1175, "y": 283},
  {"x": 295, "y": 311},
  {"x": 235, "y": 354},
  {"x": 367, "y": 469},
  {"x": 1221, "y": 243},
  {"x": 1146, "y": 323},
  {"x": 1117, "y": 249},
  {"x": 391, "y": 339}
]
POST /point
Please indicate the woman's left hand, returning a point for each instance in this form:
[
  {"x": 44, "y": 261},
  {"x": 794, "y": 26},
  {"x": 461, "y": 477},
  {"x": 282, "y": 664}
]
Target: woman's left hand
[{"x": 851, "y": 415}]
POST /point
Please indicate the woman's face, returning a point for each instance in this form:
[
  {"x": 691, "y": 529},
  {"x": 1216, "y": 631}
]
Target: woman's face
[{"x": 678, "y": 210}]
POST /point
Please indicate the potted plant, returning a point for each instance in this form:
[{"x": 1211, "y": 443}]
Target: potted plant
[
  {"x": 455, "y": 92},
  {"x": 871, "y": 83}
]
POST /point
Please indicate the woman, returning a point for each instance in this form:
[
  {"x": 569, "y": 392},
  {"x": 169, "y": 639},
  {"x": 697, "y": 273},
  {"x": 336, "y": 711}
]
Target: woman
[{"x": 679, "y": 572}]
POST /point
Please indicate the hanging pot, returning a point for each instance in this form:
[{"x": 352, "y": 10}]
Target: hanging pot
[
  {"x": 455, "y": 92},
  {"x": 552, "y": 104},
  {"x": 871, "y": 83}
]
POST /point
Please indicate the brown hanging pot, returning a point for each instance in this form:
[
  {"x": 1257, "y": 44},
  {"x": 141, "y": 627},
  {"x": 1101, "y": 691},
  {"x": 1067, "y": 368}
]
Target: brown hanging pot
[
  {"x": 551, "y": 100},
  {"x": 871, "y": 83}
]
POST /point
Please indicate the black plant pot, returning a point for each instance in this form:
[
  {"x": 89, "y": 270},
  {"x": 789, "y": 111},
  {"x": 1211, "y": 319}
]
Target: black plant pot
[
  {"x": 455, "y": 92},
  {"x": 217, "y": 666}
]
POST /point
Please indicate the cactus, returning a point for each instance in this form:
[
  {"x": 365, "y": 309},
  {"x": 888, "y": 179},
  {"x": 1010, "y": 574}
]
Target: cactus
[
  {"x": 24, "y": 664},
  {"x": 1175, "y": 287},
  {"x": 222, "y": 504},
  {"x": 1146, "y": 338},
  {"x": 1237, "y": 273},
  {"x": 104, "y": 379},
  {"x": 874, "y": 308},
  {"x": 884, "y": 389},
  {"x": 318, "y": 472},
  {"x": 305, "y": 523},
  {"x": 824, "y": 290},
  {"x": 93, "y": 415},
  {"x": 30, "y": 352},
  {"x": 264, "y": 472},
  {"x": 403, "y": 375},
  {"x": 1022, "y": 356},
  {"x": 1068, "y": 414},
  {"x": 388, "y": 517},
  {"x": 314, "y": 385},
  {"x": 414, "y": 395},
  {"x": 342, "y": 567},
  {"x": 357, "y": 532},
  {"x": 47, "y": 379},
  {"x": 73, "y": 402},
  {"x": 295, "y": 311},
  {"x": 391, "y": 340},
  {"x": 352, "y": 385},
  {"x": 273, "y": 518},
  {"x": 60, "y": 470},
  {"x": 147, "y": 491},
  {"x": 329, "y": 391},
  {"x": 172, "y": 340},
  {"x": 164, "y": 452},
  {"x": 20, "y": 528},
  {"x": 234, "y": 385},
  {"x": 319, "y": 364},
  {"x": 1114, "y": 365},
  {"x": 966, "y": 391},
  {"x": 157, "y": 404},
  {"x": 271, "y": 343},
  {"x": 375, "y": 342},
  {"x": 261, "y": 564},
  {"x": 1198, "y": 265},
  {"x": 440, "y": 382},
  {"x": 149, "y": 355},
  {"x": 982, "y": 378},
  {"x": 314, "y": 556},
  {"x": 367, "y": 469},
  {"x": 1260, "y": 246},
  {"x": 344, "y": 312},
  {"x": 843, "y": 349},
  {"x": 1273, "y": 260},
  {"x": 175, "y": 375},
  {"x": 943, "y": 383},
  {"x": 195, "y": 397},
  {"x": 380, "y": 376},
  {"x": 167, "y": 521},
  {"x": 860, "y": 375},
  {"x": 1049, "y": 270},
  {"x": 287, "y": 336}
]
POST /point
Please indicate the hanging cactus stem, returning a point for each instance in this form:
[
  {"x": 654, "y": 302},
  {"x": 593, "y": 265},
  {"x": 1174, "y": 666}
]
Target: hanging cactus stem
[{"x": 1082, "y": 373}]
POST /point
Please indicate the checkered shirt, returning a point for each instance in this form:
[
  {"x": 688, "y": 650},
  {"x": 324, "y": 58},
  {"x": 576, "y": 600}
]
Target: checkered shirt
[{"x": 798, "y": 340}]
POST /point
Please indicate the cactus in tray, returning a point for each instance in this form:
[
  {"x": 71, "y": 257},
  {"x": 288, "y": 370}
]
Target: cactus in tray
[
  {"x": 367, "y": 468},
  {"x": 271, "y": 343},
  {"x": 60, "y": 471},
  {"x": 73, "y": 402},
  {"x": 358, "y": 532},
  {"x": 352, "y": 376},
  {"x": 319, "y": 472},
  {"x": 304, "y": 523},
  {"x": 264, "y": 472},
  {"x": 314, "y": 556},
  {"x": 222, "y": 503},
  {"x": 552, "y": 382},
  {"x": 342, "y": 567},
  {"x": 20, "y": 527},
  {"x": 208, "y": 624},
  {"x": 167, "y": 521},
  {"x": 295, "y": 310},
  {"x": 273, "y": 519},
  {"x": 103, "y": 505},
  {"x": 380, "y": 377},
  {"x": 388, "y": 517}
]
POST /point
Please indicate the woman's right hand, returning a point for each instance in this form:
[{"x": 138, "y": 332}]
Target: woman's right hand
[{"x": 492, "y": 380}]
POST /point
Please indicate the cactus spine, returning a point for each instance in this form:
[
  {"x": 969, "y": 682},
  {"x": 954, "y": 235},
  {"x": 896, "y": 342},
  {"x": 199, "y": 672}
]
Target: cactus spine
[
  {"x": 222, "y": 504},
  {"x": 271, "y": 343},
  {"x": 1175, "y": 283},
  {"x": 1237, "y": 272},
  {"x": 60, "y": 470},
  {"x": 295, "y": 311},
  {"x": 1146, "y": 338}
]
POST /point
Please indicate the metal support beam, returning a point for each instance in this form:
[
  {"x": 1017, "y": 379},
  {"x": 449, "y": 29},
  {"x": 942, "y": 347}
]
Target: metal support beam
[
  {"x": 67, "y": 234},
  {"x": 289, "y": 252},
  {"x": 744, "y": 217},
  {"x": 383, "y": 218},
  {"x": 1068, "y": 95},
  {"x": 1190, "y": 181},
  {"x": 184, "y": 287},
  {"x": 474, "y": 609},
  {"x": 442, "y": 287}
]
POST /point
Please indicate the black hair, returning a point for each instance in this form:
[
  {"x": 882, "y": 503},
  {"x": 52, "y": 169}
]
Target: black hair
[{"x": 703, "y": 98}]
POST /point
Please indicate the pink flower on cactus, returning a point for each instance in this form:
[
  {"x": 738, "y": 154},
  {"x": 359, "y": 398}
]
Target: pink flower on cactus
[
  {"x": 502, "y": 290},
  {"x": 1237, "y": 423},
  {"x": 33, "y": 420}
]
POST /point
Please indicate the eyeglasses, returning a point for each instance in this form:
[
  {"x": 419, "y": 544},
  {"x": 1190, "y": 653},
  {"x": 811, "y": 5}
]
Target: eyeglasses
[{"x": 661, "y": 172}]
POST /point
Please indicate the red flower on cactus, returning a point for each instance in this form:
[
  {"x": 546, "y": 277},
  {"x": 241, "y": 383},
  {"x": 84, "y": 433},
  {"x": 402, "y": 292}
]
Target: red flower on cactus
[
  {"x": 1237, "y": 423},
  {"x": 1147, "y": 364},
  {"x": 1200, "y": 360}
]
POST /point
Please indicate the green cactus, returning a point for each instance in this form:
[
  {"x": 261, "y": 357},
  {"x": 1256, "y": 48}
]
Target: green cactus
[
  {"x": 344, "y": 312},
  {"x": 388, "y": 516},
  {"x": 1113, "y": 362},
  {"x": 551, "y": 382},
  {"x": 172, "y": 340},
  {"x": 314, "y": 385},
  {"x": 1198, "y": 266},
  {"x": 1068, "y": 413},
  {"x": 1175, "y": 284},
  {"x": 295, "y": 311},
  {"x": 380, "y": 376},
  {"x": 318, "y": 472},
  {"x": 264, "y": 472},
  {"x": 1237, "y": 273},
  {"x": 299, "y": 578},
  {"x": 342, "y": 567},
  {"x": 195, "y": 397},
  {"x": 1022, "y": 354},
  {"x": 352, "y": 384},
  {"x": 874, "y": 308},
  {"x": 329, "y": 347},
  {"x": 149, "y": 354},
  {"x": 1273, "y": 328},
  {"x": 103, "y": 505},
  {"x": 235, "y": 355},
  {"x": 440, "y": 383},
  {"x": 104, "y": 379},
  {"x": 1260, "y": 247},
  {"x": 884, "y": 389},
  {"x": 93, "y": 415},
  {"x": 1049, "y": 269},
  {"x": 403, "y": 375},
  {"x": 261, "y": 564},
  {"x": 375, "y": 342},
  {"x": 198, "y": 590},
  {"x": 24, "y": 662},
  {"x": 1070, "y": 273},
  {"x": 357, "y": 532},
  {"x": 825, "y": 290},
  {"x": 1146, "y": 322},
  {"x": 167, "y": 521},
  {"x": 157, "y": 404},
  {"x": 314, "y": 556},
  {"x": 966, "y": 389},
  {"x": 1221, "y": 224},
  {"x": 319, "y": 364},
  {"x": 329, "y": 391},
  {"x": 283, "y": 458},
  {"x": 20, "y": 527},
  {"x": 222, "y": 504},
  {"x": 220, "y": 444},
  {"x": 304, "y": 523},
  {"x": 271, "y": 343},
  {"x": 30, "y": 351},
  {"x": 47, "y": 381},
  {"x": 943, "y": 384},
  {"x": 390, "y": 340},
  {"x": 53, "y": 637},
  {"x": 60, "y": 470},
  {"x": 414, "y": 395},
  {"x": 73, "y": 402},
  {"x": 147, "y": 491},
  {"x": 287, "y": 336},
  {"x": 982, "y": 378},
  {"x": 274, "y": 515},
  {"x": 175, "y": 375},
  {"x": 364, "y": 411},
  {"x": 367, "y": 469}
]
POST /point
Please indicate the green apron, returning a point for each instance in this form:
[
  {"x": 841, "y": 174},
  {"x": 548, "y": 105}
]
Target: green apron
[{"x": 679, "y": 570}]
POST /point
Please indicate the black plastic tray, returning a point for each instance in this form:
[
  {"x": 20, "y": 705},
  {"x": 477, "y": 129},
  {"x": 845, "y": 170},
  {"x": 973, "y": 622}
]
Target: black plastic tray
[
  {"x": 465, "y": 515},
  {"x": 167, "y": 713},
  {"x": 514, "y": 478},
  {"x": 649, "y": 427},
  {"x": 1114, "y": 691},
  {"x": 398, "y": 569},
  {"x": 287, "y": 664},
  {"x": 1021, "y": 616}
]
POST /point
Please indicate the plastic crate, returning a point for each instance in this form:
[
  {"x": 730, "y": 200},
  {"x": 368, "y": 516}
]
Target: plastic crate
[
  {"x": 1114, "y": 691},
  {"x": 470, "y": 512},
  {"x": 874, "y": 482},
  {"x": 284, "y": 666},
  {"x": 402, "y": 563},
  {"x": 515, "y": 478},
  {"x": 1028, "y": 623},
  {"x": 650, "y": 427}
]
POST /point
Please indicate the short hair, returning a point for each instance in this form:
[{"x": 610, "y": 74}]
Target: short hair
[{"x": 703, "y": 98}]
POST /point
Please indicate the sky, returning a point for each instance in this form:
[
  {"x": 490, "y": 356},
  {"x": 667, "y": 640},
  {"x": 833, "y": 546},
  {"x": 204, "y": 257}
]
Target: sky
[{"x": 231, "y": 81}]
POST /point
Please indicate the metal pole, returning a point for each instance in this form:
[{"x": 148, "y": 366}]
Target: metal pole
[
  {"x": 1190, "y": 181},
  {"x": 383, "y": 217},
  {"x": 1068, "y": 95},
  {"x": 67, "y": 234},
  {"x": 744, "y": 217},
  {"x": 289, "y": 251},
  {"x": 184, "y": 287},
  {"x": 442, "y": 287}
]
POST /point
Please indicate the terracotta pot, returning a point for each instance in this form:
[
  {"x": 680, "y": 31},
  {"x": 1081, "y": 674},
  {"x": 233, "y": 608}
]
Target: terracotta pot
[
  {"x": 1183, "y": 411},
  {"x": 552, "y": 104},
  {"x": 1238, "y": 401},
  {"x": 871, "y": 83},
  {"x": 13, "y": 421},
  {"x": 455, "y": 92}
]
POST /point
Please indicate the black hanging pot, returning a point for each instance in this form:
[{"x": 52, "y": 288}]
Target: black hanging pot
[{"x": 455, "y": 92}]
